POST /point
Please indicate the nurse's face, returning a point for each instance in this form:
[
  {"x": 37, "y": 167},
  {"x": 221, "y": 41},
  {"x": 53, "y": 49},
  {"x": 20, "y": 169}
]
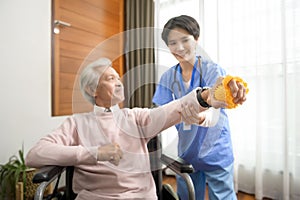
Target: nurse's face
[
  {"x": 182, "y": 45},
  {"x": 110, "y": 90}
]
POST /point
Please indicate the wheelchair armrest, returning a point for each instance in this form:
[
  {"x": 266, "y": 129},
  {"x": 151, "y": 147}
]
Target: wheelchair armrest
[
  {"x": 182, "y": 168},
  {"x": 47, "y": 173},
  {"x": 177, "y": 164}
]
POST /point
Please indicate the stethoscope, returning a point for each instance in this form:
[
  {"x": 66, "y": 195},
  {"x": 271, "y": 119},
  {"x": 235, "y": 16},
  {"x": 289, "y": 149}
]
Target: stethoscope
[{"x": 177, "y": 83}]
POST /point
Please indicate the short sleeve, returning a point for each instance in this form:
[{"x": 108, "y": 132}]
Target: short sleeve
[{"x": 163, "y": 93}]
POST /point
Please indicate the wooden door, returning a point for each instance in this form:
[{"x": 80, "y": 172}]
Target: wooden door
[{"x": 80, "y": 27}]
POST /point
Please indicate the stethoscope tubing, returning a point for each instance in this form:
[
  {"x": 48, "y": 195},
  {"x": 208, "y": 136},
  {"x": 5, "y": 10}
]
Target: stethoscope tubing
[{"x": 176, "y": 82}]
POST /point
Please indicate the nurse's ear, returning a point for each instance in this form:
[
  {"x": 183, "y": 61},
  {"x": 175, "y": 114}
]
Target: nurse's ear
[{"x": 196, "y": 38}]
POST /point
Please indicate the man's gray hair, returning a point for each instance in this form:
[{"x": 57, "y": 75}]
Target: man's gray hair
[{"x": 90, "y": 76}]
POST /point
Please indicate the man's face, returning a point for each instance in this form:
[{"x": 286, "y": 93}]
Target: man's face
[{"x": 110, "y": 90}]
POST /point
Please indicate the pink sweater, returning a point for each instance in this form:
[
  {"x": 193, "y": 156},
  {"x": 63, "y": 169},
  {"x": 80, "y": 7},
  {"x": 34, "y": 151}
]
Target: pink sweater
[{"x": 76, "y": 141}]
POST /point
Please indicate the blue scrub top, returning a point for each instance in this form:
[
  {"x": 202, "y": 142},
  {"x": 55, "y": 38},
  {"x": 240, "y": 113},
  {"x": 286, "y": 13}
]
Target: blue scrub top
[{"x": 205, "y": 148}]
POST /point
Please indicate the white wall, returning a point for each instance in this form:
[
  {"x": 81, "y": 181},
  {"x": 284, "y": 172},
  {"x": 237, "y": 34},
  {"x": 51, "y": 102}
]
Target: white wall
[{"x": 25, "y": 77}]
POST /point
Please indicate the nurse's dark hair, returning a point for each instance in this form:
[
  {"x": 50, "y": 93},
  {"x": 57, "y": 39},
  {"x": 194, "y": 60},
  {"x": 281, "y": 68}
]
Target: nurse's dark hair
[{"x": 185, "y": 22}]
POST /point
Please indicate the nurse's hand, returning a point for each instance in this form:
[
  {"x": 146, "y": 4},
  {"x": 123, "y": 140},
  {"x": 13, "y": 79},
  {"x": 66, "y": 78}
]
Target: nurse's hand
[
  {"x": 211, "y": 100},
  {"x": 111, "y": 153}
]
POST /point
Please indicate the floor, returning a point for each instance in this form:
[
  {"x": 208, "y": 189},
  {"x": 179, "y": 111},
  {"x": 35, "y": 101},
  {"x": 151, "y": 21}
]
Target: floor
[{"x": 240, "y": 196}]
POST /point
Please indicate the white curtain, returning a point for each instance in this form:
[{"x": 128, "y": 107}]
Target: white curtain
[{"x": 259, "y": 40}]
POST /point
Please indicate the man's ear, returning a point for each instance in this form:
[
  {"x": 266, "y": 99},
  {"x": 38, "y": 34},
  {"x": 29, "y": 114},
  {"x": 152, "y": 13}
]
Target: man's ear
[{"x": 90, "y": 91}]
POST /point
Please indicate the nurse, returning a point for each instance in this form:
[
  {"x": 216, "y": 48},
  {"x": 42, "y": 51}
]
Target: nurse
[{"x": 208, "y": 149}]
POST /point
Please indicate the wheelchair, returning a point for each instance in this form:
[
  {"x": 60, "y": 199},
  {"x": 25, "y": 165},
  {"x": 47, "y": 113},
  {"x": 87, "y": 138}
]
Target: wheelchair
[{"x": 49, "y": 174}]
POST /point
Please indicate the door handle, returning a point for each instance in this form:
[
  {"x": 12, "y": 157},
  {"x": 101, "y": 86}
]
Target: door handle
[
  {"x": 61, "y": 23},
  {"x": 58, "y": 23}
]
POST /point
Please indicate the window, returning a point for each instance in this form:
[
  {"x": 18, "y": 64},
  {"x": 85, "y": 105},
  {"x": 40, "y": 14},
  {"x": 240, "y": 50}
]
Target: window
[{"x": 258, "y": 40}]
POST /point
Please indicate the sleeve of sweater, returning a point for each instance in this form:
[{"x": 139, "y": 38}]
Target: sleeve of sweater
[
  {"x": 61, "y": 147},
  {"x": 153, "y": 121}
]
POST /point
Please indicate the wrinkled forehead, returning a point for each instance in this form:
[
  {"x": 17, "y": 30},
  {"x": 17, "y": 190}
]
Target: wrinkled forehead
[{"x": 109, "y": 71}]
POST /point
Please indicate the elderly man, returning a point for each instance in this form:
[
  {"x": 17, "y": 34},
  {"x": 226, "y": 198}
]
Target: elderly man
[{"x": 108, "y": 146}]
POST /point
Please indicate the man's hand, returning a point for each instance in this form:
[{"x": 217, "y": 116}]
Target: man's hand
[
  {"x": 111, "y": 153},
  {"x": 191, "y": 109},
  {"x": 190, "y": 115},
  {"x": 238, "y": 91},
  {"x": 231, "y": 90}
]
